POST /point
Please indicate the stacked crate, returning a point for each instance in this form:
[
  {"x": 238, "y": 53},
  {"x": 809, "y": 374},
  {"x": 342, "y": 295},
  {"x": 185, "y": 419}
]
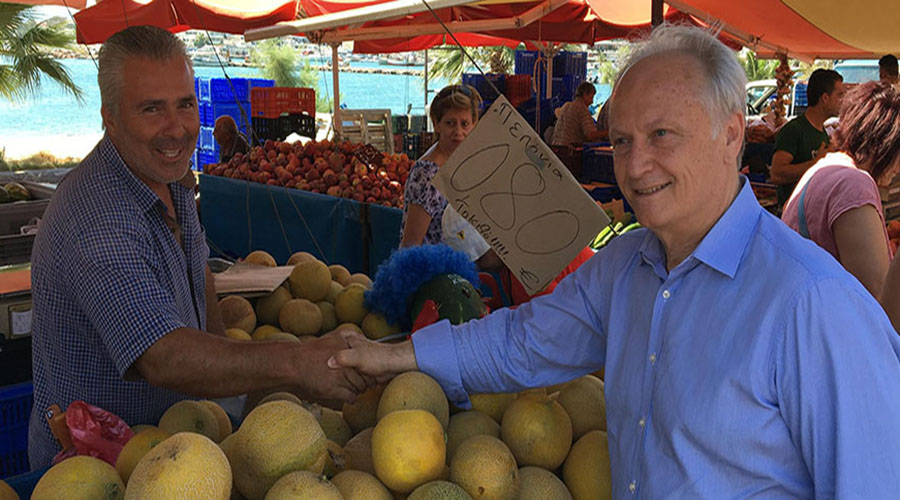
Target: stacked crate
[
  {"x": 281, "y": 111},
  {"x": 219, "y": 97}
]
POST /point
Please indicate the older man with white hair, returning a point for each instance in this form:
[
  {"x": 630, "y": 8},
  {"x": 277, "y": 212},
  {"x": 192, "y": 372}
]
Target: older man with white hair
[{"x": 741, "y": 361}]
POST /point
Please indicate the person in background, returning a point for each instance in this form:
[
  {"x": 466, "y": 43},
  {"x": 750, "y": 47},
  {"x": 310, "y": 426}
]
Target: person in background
[
  {"x": 741, "y": 361},
  {"x": 454, "y": 113},
  {"x": 803, "y": 141},
  {"x": 837, "y": 203},
  {"x": 125, "y": 310},
  {"x": 230, "y": 140},
  {"x": 888, "y": 70},
  {"x": 574, "y": 125}
]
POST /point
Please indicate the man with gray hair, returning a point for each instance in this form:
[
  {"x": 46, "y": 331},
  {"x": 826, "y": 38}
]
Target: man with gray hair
[
  {"x": 125, "y": 311},
  {"x": 741, "y": 361}
]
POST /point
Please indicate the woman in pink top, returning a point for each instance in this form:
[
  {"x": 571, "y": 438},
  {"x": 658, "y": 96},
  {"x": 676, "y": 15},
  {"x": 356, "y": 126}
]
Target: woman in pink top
[{"x": 836, "y": 203}]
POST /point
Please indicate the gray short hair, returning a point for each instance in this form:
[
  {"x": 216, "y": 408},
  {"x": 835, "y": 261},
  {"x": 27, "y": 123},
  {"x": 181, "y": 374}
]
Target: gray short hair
[
  {"x": 137, "y": 41},
  {"x": 727, "y": 80}
]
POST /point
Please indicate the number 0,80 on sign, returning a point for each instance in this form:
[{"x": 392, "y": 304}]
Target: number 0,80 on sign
[{"x": 519, "y": 197}]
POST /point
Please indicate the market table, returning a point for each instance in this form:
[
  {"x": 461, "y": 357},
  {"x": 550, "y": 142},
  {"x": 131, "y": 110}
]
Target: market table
[{"x": 241, "y": 216}]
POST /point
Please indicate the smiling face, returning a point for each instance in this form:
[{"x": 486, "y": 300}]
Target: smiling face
[
  {"x": 453, "y": 128},
  {"x": 677, "y": 170},
  {"x": 156, "y": 124}
]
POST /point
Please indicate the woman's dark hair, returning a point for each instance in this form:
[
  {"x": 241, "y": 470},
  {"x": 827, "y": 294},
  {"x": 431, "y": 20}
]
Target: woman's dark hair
[
  {"x": 869, "y": 130},
  {"x": 455, "y": 97}
]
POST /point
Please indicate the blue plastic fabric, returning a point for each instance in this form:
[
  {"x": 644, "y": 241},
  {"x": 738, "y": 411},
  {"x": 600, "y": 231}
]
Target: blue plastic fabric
[{"x": 241, "y": 216}]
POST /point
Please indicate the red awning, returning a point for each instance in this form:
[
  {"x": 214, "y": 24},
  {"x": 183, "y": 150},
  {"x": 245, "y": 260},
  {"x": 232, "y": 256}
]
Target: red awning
[
  {"x": 97, "y": 23},
  {"x": 809, "y": 29},
  {"x": 576, "y": 21}
]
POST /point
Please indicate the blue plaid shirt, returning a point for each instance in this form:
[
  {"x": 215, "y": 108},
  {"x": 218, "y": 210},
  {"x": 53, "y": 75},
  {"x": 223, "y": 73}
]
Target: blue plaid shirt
[{"x": 109, "y": 279}]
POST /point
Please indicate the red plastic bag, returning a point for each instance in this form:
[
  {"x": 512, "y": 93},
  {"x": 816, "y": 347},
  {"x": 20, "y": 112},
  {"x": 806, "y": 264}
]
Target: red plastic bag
[{"x": 95, "y": 432}]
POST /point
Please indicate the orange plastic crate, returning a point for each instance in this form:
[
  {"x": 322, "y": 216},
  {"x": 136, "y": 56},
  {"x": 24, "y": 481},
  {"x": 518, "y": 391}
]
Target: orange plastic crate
[{"x": 272, "y": 102}]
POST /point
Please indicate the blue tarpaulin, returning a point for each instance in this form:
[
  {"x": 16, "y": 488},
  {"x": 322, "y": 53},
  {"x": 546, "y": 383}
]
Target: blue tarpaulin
[{"x": 241, "y": 216}]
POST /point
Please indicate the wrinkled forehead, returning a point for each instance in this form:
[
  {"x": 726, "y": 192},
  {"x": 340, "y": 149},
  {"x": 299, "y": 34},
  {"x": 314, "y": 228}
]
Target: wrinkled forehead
[{"x": 659, "y": 83}]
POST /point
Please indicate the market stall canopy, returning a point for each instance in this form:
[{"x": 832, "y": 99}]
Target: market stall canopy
[
  {"x": 490, "y": 22},
  {"x": 806, "y": 29},
  {"x": 72, "y": 4},
  {"x": 97, "y": 23}
]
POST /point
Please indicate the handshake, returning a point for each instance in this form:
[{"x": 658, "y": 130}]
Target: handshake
[{"x": 344, "y": 363}]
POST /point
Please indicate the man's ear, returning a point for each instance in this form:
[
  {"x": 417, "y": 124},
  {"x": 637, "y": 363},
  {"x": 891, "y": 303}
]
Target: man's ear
[
  {"x": 734, "y": 129},
  {"x": 109, "y": 122}
]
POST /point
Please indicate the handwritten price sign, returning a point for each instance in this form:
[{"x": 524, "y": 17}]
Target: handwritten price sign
[{"x": 517, "y": 194}]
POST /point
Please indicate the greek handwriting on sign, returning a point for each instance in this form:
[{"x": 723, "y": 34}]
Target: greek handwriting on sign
[{"x": 519, "y": 197}]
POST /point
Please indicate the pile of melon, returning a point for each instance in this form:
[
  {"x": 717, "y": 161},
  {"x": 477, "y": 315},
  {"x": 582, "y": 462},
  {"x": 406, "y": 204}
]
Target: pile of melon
[
  {"x": 316, "y": 299},
  {"x": 402, "y": 440}
]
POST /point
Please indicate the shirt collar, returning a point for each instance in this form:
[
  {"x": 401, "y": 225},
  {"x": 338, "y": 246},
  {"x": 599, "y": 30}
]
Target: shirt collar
[
  {"x": 724, "y": 245},
  {"x": 143, "y": 195}
]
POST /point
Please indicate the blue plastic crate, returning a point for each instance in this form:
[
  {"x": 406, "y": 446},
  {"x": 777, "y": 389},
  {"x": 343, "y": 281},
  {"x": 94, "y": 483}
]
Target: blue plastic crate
[
  {"x": 570, "y": 63},
  {"x": 15, "y": 410},
  {"x": 482, "y": 84},
  {"x": 220, "y": 90},
  {"x": 232, "y": 109},
  {"x": 203, "y": 89},
  {"x": 261, "y": 82},
  {"x": 528, "y": 110},
  {"x": 800, "y": 99},
  {"x": 197, "y": 87},
  {"x": 564, "y": 86},
  {"x": 206, "y": 157},
  {"x": 597, "y": 166},
  {"x": 525, "y": 60},
  {"x": 207, "y": 141},
  {"x": 203, "y": 112}
]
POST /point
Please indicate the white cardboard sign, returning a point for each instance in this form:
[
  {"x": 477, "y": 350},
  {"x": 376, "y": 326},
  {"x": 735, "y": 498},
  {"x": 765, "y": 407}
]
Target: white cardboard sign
[{"x": 518, "y": 195}]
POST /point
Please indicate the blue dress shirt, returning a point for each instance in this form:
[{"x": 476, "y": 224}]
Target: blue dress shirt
[
  {"x": 757, "y": 368},
  {"x": 109, "y": 279}
]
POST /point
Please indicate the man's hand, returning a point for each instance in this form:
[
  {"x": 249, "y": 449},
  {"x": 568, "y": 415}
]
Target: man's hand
[
  {"x": 379, "y": 361},
  {"x": 318, "y": 381}
]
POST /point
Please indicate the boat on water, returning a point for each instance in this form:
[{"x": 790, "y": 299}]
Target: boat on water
[{"x": 411, "y": 59}]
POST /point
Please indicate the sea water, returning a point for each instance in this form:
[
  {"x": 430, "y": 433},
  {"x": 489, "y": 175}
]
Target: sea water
[{"x": 52, "y": 117}]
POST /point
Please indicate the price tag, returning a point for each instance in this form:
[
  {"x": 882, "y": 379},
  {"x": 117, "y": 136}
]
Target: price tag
[
  {"x": 20, "y": 320},
  {"x": 519, "y": 196}
]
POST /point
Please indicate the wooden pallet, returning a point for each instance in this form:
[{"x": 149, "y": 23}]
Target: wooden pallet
[{"x": 368, "y": 126}]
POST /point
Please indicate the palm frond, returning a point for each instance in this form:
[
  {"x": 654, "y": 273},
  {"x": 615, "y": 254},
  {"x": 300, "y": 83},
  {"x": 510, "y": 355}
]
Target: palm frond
[
  {"x": 25, "y": 44},
  {"x": 10, "y": 86},
  {"x": 58, "y": 73},
  {"x": 12, "y": 17}
]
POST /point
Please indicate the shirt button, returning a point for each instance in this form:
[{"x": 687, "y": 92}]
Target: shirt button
[
  {"x": 653, "y": 359},
  {"x": 632, "y": 486},
  {"x": 666, "y": 294},
  {"x": 642, "y": 423}
]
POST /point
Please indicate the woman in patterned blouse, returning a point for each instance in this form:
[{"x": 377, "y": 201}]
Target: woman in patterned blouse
[{"x": 454, "y": 113}]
